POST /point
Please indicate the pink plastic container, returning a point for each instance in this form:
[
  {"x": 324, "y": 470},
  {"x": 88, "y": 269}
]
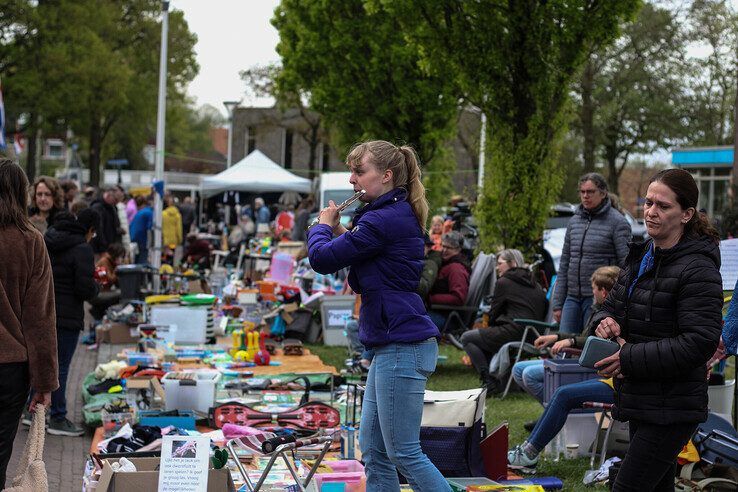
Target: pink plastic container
[{"x": 349, "y": 472}]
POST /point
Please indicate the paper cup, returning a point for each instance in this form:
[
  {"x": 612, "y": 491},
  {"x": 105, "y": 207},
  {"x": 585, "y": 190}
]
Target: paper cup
[{"x": 572, "y": 451}]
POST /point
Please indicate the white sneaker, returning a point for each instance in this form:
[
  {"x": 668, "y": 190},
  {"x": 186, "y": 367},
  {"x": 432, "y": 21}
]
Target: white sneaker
[{"x": 517, "y": 459}]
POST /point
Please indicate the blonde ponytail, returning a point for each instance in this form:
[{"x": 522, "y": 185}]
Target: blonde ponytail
[
  {"x": 415, "y": 188},
  {"x": 403, "y": 162}
]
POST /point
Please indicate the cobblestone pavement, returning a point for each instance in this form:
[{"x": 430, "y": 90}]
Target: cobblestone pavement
[{"x": 65, "y": 456}]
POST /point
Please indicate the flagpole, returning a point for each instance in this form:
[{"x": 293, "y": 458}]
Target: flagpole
[{"x": 155, "y": 253}]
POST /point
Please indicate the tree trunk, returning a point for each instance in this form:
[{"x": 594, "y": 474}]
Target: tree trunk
[
  {"x": 95, "y": 148},
  {"x": 587, "y": 118},
  {"x": 613, "y": 177},
  {"x": 313, "y": 144}
]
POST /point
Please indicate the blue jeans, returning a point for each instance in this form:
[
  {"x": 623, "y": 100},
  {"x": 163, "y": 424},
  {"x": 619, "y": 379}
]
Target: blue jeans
[
  {"x": 66, "y": 344},
  {"x": 565, "y": 399},
  {"x": 390, "y": 418},
  {"x": 574, "y": 314},
  {"x": 142, "y": 258},
  {"x": 529, "y": 374}
]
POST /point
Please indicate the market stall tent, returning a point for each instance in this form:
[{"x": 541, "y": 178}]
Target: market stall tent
[{"x": 255, "y": 173}]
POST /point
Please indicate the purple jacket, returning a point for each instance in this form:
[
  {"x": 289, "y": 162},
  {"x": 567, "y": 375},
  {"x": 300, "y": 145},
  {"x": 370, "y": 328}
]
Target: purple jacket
[{"x": 385, "y": 253}]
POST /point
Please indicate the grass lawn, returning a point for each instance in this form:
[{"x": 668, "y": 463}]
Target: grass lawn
[{"x": 517, "y": 408}]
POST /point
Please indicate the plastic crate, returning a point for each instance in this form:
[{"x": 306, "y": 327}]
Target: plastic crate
[
  {"x": 334, "y": 311},
  {"x": 560, "y": 372},
  {"x": 185, "y": 419},
  {"x": 191, "y": 394},
  {"x": 112, "y": 422}
]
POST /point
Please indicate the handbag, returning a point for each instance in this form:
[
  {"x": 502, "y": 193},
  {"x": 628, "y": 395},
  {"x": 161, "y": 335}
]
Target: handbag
[{"x": 31, "y": 473}]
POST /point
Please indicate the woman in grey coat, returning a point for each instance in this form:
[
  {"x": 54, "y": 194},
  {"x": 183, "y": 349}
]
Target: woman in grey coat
[{"x": 597, "y": 235}]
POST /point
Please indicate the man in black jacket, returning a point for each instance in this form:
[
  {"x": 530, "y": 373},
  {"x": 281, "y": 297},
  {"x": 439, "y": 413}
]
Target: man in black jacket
[
  {"x": 72, "y": 264},
  {"x": 109, "y": 231}
]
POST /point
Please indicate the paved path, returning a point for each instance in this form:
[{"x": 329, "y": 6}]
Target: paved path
[{"x": 65, "y": 456}]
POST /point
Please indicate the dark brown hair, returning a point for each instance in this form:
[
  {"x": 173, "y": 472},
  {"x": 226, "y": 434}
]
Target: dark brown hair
[
  {"x": 13, "y": 196},
  {"x": 684, "y": 187}
]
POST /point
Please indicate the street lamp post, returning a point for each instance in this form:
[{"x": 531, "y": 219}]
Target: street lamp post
[
  {"x": 160, "y": 128},
  {"x": 230, "y": 106}
]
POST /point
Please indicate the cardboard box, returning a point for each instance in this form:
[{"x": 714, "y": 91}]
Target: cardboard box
[
  {"x": 147, "y": 477},
  {"x": 116, "y": 333}
]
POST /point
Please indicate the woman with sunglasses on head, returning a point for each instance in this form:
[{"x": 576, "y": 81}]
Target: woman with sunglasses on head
[
  {"x": 665, "y": 311},
  {"x": 597, "y": 235},
  {"x": 385, "y": 252}
]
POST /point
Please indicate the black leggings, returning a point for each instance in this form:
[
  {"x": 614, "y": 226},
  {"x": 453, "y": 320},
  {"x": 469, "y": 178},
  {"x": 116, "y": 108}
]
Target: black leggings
[
  {"x": 14, "y": 382},
  {"x": 484, "y": 343},
  {"x": 650, "y": 464}
]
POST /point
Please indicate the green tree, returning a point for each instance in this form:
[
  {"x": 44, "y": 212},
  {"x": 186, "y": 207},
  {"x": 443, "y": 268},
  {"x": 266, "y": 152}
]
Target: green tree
[
  {"x": 713, "y": 26},
  {"x": 353, "y": 66},
  {"x": 516, "y": 61},
  {"x": 632, "y": 92},
  {"x": 92, "y": 66}
]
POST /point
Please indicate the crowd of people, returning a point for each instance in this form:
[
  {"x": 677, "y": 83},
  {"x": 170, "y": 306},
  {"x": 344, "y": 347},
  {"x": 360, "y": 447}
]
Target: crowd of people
[{"x": 660, "y": 300}]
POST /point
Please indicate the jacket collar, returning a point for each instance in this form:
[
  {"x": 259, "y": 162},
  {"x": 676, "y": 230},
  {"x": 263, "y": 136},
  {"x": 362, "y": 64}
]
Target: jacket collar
[
  {"x": 394, "y": 195},
  {"x": 602, "y": 208}
]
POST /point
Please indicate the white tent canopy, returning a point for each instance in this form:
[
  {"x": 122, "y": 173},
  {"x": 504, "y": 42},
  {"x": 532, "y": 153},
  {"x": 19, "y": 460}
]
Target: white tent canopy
[{"x": 254, "y": 173}]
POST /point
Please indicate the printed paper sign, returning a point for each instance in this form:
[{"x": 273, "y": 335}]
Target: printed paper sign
[
  {"x": 184, "y": 464},
  {"x": 338, "y": 317},
  {"x": 729, "y": 262}
]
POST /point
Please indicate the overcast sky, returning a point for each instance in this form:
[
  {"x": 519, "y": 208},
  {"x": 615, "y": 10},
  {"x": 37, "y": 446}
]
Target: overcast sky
[{"x": 232, "y": 35}]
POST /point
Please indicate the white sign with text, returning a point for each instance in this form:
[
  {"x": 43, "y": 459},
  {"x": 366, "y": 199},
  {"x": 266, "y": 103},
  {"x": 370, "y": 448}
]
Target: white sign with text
[{"x": 184, "y": 464}]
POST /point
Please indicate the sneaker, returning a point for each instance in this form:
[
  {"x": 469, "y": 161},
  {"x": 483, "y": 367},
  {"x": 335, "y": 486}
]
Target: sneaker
[
  {"x": 26, "y": 418},
  {"x": 64, "y": 427},
  {"x": 517, "y": 459}
]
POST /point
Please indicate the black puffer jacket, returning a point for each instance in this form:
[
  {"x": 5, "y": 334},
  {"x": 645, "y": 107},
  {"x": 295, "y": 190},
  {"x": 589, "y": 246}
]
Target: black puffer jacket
[
  {"x": 593, "y": 239},
  {"x": 517, "y": 295},
  {"x": 72, "y": 264},
  {"x": 671, "y": 324},
  {"x": 109, "y": 231}
]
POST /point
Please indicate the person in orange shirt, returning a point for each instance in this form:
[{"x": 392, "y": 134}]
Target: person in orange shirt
[{"x": 436, "y": 232}]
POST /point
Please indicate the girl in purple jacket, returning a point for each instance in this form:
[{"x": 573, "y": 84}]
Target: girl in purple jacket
[{"x": 385, "y": 252}]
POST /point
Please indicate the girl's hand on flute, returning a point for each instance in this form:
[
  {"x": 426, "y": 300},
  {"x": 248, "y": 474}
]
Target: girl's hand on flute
[{"x": 330, "y": 215}]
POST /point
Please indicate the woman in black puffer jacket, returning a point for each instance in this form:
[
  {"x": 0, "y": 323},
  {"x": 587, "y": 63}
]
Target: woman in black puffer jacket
[{"x": 665, "y": 311}]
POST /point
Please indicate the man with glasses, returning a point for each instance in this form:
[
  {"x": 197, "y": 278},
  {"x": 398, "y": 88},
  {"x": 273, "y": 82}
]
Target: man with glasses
[{"x": 597, "y": 235}]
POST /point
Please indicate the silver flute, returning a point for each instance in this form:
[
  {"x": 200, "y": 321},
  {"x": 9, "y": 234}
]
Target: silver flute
[{"x": 342, "y": 206}]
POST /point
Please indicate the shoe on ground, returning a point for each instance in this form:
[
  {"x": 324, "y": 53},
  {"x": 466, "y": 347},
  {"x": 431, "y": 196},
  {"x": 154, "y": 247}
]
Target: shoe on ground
[
  {"x": 530, "y": 425},
  {"x": 64, "y": 427},
  {"x": 26, "y": 418},
  {"x": 517, "y": 459}
]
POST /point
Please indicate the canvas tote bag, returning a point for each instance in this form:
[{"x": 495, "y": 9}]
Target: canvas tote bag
[{"x": 31, "y": 473}]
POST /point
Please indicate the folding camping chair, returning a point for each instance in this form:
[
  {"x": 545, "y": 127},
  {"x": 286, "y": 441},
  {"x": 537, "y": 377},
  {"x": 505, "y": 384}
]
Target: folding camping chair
[
  {"x": 255, "y": 445},
  {"x": 537, "y": 328},
  {"x": 460, "y": 317}
]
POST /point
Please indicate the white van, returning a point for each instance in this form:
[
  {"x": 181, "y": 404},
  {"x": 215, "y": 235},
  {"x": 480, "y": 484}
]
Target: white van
[{"x": 336, "y": 187}]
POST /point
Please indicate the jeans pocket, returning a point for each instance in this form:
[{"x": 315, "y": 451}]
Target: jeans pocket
[{"x": 426, "y": 356}]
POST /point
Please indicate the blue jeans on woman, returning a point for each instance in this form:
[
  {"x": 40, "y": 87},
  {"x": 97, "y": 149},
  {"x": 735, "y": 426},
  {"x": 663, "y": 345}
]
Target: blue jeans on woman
[
  {"x": 565, "y": 399},
  {"x": 390, "y": 418},
  {"x": 529, "y": 375},
  {"x": 574, "y": 314},
  {"x": 66, "y": 344}
]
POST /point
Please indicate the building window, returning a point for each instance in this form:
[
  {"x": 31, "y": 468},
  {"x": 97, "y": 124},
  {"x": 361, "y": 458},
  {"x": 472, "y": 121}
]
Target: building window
[
  {"x": 287, "y": 149},
  {"x": 325, "y": 158},
  {"x": 54, "y": 149},
  {"x": 250, "y": 139}
]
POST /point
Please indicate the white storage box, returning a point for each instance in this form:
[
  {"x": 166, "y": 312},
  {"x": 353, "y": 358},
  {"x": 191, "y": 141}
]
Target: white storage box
[
  {"x": 453, "y": 408},
  {"x": 191, "y": 321},
  {"x": 335, "y": 312},
  {"x": 197, "y": 393},
  {"x": 720, "y": 398}
]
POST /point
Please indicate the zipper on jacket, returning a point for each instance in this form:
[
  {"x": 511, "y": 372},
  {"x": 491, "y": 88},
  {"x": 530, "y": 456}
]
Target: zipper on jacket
[
  {"x": 581, "y": 254},
  {"x": 649, "y": 307}
]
